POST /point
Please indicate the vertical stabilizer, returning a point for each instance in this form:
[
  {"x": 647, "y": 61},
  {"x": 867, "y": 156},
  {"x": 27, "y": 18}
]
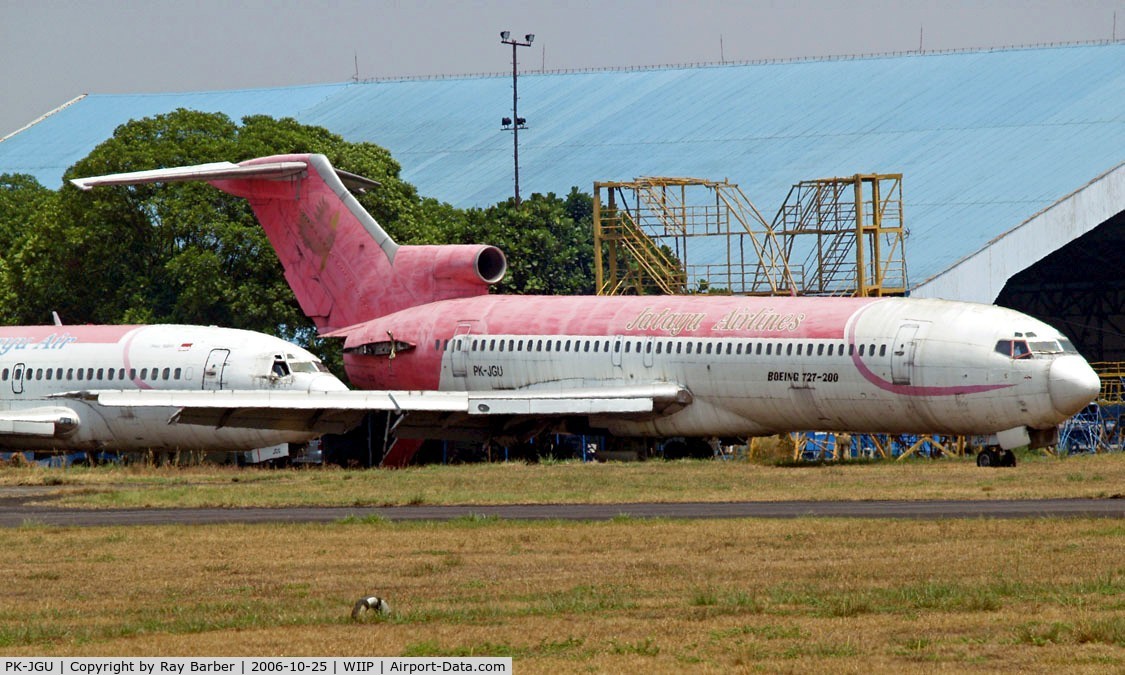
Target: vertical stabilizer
[{"x": 342, "y": 266}]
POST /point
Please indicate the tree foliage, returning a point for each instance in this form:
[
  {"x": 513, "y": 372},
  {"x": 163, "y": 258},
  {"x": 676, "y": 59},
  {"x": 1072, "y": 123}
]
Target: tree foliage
[
  {"x": 548, "y": 241},
  {"x": 187, "y": 253}
]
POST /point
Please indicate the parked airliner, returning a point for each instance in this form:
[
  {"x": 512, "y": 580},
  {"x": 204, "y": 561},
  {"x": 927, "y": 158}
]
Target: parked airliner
[
  {"x": 51, "y": 376},
  {"x": 420, "y": 326}
]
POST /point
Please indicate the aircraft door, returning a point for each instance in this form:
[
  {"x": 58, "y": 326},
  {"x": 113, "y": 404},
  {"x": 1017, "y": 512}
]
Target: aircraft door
[
  {"x": 459, "y": 349},
  {"x": 213, "y": 371},
  {"x": 615, "y": 354},
  {"x": 902, "y": 353},
  {"x": 17, "y": 378}
]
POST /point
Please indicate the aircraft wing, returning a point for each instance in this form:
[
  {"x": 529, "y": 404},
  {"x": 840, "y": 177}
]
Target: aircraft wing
[
  {"x": 335, "y": 412},
  {"x": 46, "y": 421}
]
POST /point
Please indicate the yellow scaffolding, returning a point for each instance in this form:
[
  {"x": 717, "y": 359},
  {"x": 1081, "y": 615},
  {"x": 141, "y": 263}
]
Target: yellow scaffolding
[
  {"x": 643, "y": 230},
  {"x": 850, "y": 232},
  {"x": 1112, "y": 374}
]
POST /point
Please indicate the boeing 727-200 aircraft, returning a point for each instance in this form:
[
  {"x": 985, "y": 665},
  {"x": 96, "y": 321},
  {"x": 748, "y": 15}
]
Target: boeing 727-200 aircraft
[
  {"x": 51, "y": 376},
  {"x": 421, "y": 328}
]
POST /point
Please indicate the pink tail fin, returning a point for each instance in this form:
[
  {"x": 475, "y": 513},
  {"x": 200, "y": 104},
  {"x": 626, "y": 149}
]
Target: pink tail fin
[{"x": 342, "y": 266}]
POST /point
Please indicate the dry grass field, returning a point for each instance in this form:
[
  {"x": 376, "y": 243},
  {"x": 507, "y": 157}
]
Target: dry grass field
[
  {"x": 804, "y": 595},
  {"x": 1095, "y": 476},
  {"x": 628, "y": 595}
]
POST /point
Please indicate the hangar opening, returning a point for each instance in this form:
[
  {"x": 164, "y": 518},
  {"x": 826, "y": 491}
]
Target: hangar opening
[{"x": 1080, "y": 289}]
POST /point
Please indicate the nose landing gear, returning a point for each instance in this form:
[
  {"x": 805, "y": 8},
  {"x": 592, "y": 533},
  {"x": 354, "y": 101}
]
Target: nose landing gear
[{"x": 995, "y": 457}]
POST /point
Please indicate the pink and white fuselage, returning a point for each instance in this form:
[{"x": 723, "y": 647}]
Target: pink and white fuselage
[
  {"x": 418, "y": 321},
  {"x": 50, "y": 377},
  {"x": 752, "y": 365}
]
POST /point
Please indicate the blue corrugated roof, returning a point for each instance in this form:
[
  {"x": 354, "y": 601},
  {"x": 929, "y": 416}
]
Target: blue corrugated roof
[{"x": 984, "y": 139}]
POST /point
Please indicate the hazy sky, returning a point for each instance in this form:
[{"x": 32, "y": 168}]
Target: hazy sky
[{"x": 54, "y": 50}]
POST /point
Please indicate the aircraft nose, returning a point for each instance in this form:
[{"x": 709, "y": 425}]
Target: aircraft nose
[
  {"x": 326, "y": 382},
  {"x": 1073, "y": 384}
]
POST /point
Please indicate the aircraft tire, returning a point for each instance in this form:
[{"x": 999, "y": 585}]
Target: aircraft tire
[
  {"x": 1007, "y": 458},
  {"x": 987, "y": 457}
]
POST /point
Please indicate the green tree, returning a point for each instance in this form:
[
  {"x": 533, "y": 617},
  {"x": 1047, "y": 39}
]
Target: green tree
[
  {"x": 185, "y": 252},
  {"x": 27, "y": 211},
  {"x": 188, "y": 253}
]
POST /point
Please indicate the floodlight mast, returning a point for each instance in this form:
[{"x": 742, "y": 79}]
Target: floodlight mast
[{"x": 515, "y": 123}]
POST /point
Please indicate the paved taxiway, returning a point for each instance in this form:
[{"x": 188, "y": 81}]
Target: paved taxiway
[{"x": 15, "y": 512}]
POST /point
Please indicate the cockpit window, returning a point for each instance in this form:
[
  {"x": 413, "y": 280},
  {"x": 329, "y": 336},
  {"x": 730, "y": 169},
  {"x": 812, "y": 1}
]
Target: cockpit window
[
  {"x": 280, "y": 367},
  {"x": 1067, "y": 346},
  {"x": 1045, "y": 347},
  {"x": 1016, "y": 349},
  {"x": 304, "y": 367}
]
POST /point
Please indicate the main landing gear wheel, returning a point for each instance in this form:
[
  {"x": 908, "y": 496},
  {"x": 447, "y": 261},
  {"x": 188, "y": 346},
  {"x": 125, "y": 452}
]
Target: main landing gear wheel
[{"x": 996, "y": 457}]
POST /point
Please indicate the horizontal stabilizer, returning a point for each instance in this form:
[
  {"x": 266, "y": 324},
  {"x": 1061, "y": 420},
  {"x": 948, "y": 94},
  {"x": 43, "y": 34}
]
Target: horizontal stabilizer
[
  {"x": 219, "y": 171},
  {"x": 199, "y": 172}
]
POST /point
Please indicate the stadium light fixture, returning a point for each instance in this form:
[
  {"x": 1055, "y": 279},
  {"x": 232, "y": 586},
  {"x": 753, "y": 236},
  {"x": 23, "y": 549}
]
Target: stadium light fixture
[{"x": 520, "y": 122}]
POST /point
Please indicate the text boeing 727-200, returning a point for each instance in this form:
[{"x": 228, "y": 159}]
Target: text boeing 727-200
[{"x": 420, "y": 325}]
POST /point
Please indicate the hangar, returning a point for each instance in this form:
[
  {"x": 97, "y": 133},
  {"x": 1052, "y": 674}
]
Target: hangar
[{"x": 1013, "y": 159}]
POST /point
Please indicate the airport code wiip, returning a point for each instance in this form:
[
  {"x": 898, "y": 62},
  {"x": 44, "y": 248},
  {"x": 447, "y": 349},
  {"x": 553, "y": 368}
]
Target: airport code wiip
[{"x": 253, "y": 665}]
